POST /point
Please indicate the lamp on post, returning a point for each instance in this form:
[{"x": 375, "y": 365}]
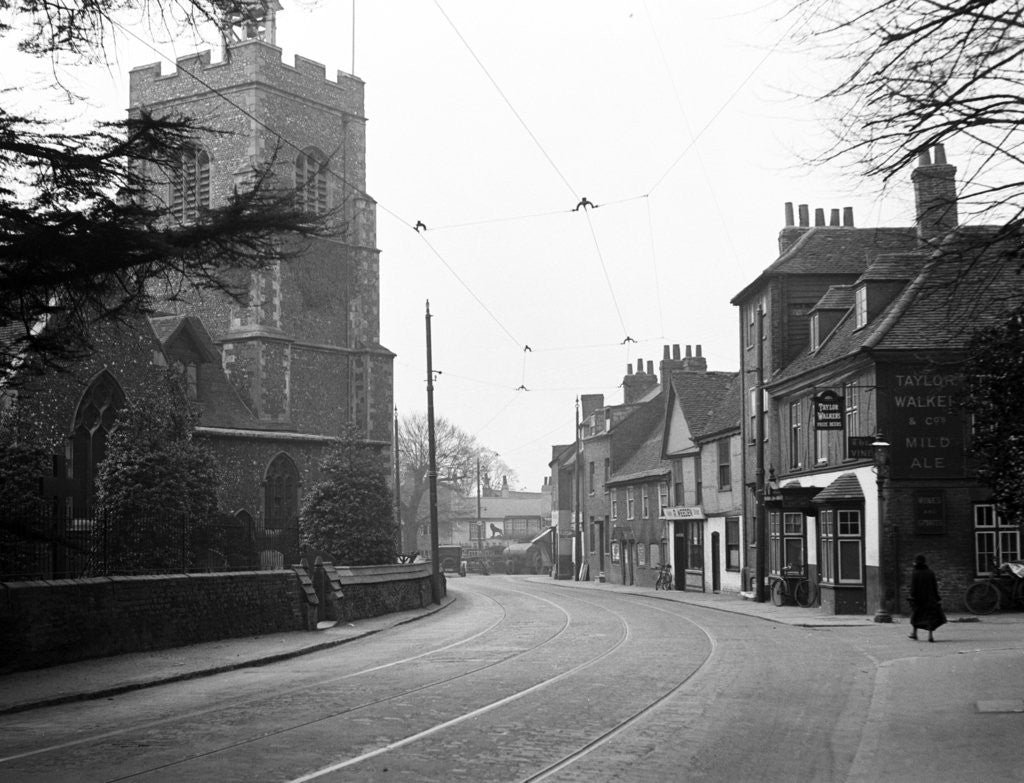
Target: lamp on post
[{"x": 881, "y": 447}]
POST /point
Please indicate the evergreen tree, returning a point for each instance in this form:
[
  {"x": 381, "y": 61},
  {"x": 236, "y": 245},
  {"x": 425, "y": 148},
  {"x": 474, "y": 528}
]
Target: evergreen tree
[
  {"x": 350, "y": 514},
  {"x": 156, "y": 489}
]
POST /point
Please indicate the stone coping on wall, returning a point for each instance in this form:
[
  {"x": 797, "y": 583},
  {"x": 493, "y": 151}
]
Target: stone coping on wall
[
  {"x": 98, "y": 580},
  {"x": 396, "y": 572}
]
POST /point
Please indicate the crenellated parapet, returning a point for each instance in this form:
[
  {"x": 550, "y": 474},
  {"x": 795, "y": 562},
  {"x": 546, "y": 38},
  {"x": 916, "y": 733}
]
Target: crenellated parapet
[{"x": 250, "y": 63}]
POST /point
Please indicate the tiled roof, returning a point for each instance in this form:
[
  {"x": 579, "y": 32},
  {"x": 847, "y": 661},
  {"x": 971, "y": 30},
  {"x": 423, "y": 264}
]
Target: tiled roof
[
  {"x": 846, "y": 487},
  {"x": 727, "y": 412},
  {"x": 836, "y": 250},
  {"x": 837, "y": 297},
  {"x": 958, "y": 290},
  {"x": 897, "y": 266},
  {"x": 704, "y": 399},
  {"x": 645, "y": 462}
]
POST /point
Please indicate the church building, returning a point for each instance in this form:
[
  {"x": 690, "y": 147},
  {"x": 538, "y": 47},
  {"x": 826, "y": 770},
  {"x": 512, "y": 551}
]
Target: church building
[{"x": 276, "y": 379}]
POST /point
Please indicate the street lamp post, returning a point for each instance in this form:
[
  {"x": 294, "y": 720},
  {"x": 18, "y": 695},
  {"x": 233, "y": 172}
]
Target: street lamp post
[{"x": 881, "y": 454}]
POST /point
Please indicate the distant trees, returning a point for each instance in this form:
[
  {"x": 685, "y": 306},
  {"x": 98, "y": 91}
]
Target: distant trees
[
  {"x": 350, "y": 514},
  {"x": 456, "y": 456}
]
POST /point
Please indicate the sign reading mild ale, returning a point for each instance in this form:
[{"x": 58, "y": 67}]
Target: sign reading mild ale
[{"x": 829, "y": 409}]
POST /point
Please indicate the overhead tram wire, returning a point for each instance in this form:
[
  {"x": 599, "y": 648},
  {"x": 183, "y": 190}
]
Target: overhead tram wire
[
  {"x": 604, "y": 269},
  {"x": 285, "y": 140},
  {"x": 504, "y": 97},
  {"x": 700, "y": 158}
]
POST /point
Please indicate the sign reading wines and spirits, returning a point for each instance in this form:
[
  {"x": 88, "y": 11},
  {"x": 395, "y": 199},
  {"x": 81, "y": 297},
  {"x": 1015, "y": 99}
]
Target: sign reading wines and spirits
[
  {"x": 828, "y": 411},
  {"x": 929, "y": 511}
]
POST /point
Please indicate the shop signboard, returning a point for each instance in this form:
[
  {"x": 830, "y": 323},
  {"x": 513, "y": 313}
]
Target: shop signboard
[{"x": 829, "y": 411}]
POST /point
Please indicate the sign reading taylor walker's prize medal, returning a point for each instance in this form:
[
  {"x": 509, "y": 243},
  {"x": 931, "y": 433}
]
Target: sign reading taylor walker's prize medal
[{"x": 828, "y": 411}]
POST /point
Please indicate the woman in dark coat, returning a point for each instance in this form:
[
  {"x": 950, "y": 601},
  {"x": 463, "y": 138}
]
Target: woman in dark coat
[{"x": 925, "y": 601}]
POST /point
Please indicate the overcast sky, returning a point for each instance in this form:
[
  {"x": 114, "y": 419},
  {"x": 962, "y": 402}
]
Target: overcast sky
[{"x": 489, "y": 122}]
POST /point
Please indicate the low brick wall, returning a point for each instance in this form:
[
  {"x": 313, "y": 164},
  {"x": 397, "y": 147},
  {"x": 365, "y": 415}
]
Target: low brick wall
[
  {"x": 44, "y": 623},
  {"x": 371, "y": 591},
  {"x": 49, "y": 622}
]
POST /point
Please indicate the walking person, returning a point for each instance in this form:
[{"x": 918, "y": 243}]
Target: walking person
[{"x": 925, "y": 601}]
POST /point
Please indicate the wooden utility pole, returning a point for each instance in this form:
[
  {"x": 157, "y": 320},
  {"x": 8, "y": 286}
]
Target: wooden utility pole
[{"x": 435, "y": 564}]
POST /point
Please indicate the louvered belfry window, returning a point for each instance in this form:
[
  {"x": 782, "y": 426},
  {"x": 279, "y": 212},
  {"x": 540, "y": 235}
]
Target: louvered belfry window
[
  {"x": 311, "y": 182},
  {"x": 190, "y": 186}
]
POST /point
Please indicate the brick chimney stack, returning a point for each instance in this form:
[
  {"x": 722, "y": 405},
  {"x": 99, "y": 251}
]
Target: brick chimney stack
[
  {"x": 636, "y": 384},
  {"x": 934, "y": 195},
  {"x": 689, "y": 363}
]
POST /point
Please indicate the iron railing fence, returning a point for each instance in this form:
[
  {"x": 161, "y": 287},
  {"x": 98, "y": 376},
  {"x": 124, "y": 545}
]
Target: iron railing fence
[{"x": 36, "y": 543}]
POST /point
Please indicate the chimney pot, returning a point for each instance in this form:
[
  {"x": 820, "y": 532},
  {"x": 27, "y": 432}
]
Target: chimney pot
[
  {"x": 834, "y": 218},
  {"x": 629, "y": 369},
  {"x": 675, "y": 351},
  {"x": 940, "y": 155},
  {"x": 640, "y": 365},
  {"x": 848, "y": 216},
  {"x": 804, "y": 216},
  {"x": 819, "y": 217},
  {"x": 924, "y": 158},
  {"x": 698, "y": 351},
  {"x": 650, "y": 369},
  {"x": 666, "y": 355},
  {"x": 689, "y": 351},
  {"x": 789, "y": 214}
]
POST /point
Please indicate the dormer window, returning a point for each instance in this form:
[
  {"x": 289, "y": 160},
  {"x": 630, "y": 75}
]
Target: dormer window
[
  {"x": 815, "y": 332},
  {"x": 860, "y": 306}
]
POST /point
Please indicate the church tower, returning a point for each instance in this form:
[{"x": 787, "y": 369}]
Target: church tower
[{"x": 304, "y": 353}]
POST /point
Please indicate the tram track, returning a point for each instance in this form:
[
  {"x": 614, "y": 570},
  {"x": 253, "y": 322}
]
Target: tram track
[
  {"x": 335, "y": 720},
  {"x": 122, "y": 737},
  {"x": 568, "y": 759}
]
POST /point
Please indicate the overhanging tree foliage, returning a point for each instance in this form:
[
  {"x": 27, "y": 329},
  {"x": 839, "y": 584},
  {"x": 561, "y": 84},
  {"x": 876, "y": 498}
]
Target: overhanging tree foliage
[
  {"x": 79, "y": 239},
  {"x": 349, "y": 514},
  {"x": 995, "y": 379},
  {"x": 914, "y": 73}
]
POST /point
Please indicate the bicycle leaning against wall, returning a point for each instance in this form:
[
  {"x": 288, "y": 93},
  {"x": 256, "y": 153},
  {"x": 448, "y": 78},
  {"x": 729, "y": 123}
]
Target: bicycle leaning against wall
[
  {"x": 664, "y": 577},
  {"x": 1003, "y": 587},
  {"x": 791, "y": 585}
]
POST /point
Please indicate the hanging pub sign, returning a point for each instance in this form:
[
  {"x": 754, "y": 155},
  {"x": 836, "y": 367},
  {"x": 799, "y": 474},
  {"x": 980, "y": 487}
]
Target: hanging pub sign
[{"x": 828, "y": 411}]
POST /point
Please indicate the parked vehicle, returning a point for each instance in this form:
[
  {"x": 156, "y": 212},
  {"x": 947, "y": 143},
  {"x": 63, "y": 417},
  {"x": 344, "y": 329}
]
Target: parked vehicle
[{"x": 451, "y": 560}]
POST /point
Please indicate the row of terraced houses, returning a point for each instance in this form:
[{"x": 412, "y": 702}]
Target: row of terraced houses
[{"x": 851, "y": 344}]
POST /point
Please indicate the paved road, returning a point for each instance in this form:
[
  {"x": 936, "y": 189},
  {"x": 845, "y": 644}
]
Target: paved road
[{"x": 526, "y": 680}]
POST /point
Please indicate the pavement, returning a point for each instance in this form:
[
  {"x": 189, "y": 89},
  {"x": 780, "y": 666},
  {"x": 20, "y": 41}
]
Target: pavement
[{"x": 105, "y": 677}]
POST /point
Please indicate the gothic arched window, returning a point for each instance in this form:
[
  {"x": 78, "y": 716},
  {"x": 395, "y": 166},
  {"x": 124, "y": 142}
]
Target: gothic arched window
[
  {"x": 281, "y": 493},
  {"x": 190, "y": 185},
  {"x": 311, "y": 182},
  {"x": 94, "y": 421}
]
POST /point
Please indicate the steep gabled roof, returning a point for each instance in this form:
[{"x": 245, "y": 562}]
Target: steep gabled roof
[
  {"x": 727, "y": 412},
  {"x": 702, "y": 396},
  {"x": 645, "y": 463}
]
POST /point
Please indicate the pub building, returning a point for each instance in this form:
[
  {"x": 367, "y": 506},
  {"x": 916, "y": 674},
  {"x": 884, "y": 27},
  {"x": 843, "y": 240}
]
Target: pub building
[{"x": 859, "y": 336}]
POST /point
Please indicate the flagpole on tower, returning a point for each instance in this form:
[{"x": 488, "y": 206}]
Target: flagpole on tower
[{"x": 353, "y": 37}]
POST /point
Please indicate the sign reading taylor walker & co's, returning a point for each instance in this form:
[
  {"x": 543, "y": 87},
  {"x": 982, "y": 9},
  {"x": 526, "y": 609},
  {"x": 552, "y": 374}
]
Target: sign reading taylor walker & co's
[{"x": 828, "y": 411}]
